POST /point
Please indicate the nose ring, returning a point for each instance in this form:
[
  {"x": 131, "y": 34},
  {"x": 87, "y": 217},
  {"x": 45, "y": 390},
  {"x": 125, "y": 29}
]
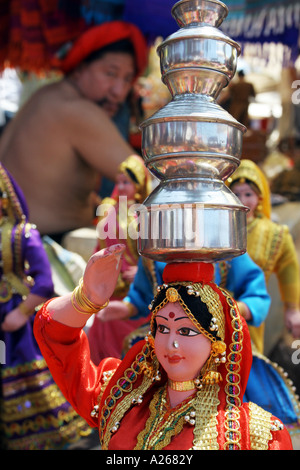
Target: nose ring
[{"x": 175, "y": 344}]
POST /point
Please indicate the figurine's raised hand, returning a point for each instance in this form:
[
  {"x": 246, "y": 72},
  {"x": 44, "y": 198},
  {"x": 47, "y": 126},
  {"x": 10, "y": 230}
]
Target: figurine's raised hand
[
  {"x": 101, "y": 274},
  {"x": 99, "y": 281}
]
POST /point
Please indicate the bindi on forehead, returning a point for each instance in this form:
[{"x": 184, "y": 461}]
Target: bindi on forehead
[{"x": 171, "y": 314}]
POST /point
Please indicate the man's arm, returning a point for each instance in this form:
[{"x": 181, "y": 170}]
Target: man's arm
[{"x": 95, "y": 137}]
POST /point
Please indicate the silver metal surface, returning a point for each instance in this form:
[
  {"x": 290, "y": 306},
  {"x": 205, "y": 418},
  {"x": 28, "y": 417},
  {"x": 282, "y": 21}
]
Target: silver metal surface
[
  {"x": 196, "y": 128},
  {"x": 204, "y": 220},
  {"x": 177, "y": 165},
  {"x": 189, "y": 12},
  {"x": 192, "y": 145},
  {"x": 192, "y": 80},
  {"x": 192, "y": 233},
  {"x": 198, "y": 48}
]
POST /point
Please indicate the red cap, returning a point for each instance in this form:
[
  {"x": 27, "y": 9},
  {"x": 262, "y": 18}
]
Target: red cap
[
  {"x": 188, "y": 272},
  {"x": 100, "y": 36}
]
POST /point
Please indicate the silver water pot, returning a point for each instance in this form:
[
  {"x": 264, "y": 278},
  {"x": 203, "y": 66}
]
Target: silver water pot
[{"x": 192, "y": 145}]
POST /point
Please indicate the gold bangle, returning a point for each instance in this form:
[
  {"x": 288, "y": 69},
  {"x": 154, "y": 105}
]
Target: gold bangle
[
  {"x": 25, "y": 310},
  {"x": 82, "y": 304}
]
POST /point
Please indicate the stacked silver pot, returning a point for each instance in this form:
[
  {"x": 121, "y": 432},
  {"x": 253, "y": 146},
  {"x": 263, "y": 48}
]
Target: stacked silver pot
[{"x": 192, "y": 145}]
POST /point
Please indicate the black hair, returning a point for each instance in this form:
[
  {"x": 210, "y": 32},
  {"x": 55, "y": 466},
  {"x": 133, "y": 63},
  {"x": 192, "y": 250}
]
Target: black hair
[
  {"x": 124, "y": 46},
  {"x": 132, "y": 176},
  {"x": 198, "y": 308},
  {"x": 252, "y": 185}
]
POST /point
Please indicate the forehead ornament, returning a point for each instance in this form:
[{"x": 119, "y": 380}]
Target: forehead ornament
[{"x": 172, "y": 295}]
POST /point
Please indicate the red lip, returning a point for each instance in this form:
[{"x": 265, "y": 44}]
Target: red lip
[{"x": 174, "y": 359}]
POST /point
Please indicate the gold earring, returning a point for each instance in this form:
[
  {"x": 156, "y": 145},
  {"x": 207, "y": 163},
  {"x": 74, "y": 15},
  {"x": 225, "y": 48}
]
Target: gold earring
[
  {"x": 151, "y": 368},
  {"x": 210, "y": 375}
]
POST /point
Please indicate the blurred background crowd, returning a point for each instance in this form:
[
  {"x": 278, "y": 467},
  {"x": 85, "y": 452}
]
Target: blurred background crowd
[{"x": 264, "y": 95}]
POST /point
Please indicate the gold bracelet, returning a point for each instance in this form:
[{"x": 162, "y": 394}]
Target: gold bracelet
[
  {"x": 25, "y": 310},
  {"x": 82, "y": 304}
]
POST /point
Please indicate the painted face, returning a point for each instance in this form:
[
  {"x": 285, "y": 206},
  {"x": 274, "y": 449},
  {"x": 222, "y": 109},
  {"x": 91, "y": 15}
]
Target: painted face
[
  {"x": 185, "y": 361},
  {"x": 125, "y": 186},
  {"x": 247, "y": 196},
  {"x": 108, "y": 80}
]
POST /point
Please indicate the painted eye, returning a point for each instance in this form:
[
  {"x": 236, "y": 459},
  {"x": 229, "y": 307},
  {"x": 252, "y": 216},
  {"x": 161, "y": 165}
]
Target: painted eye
[
  {"x": 162, "y": 329},
  {"x": 188, "y": 332}
]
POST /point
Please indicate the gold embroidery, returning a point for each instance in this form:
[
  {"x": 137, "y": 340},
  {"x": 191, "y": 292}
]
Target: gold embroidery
[
  {"x": 123, "y": 385},
  {"x": 31, "y": 403},
  {"x": 265, "y": 242},
  {"x": 24, "y": 383},
  {"x": 24, "y": 368},
  {"x": 232, "y": 387},
  {"x": 105, "y": 380},
  {"x": 39, "y": 422},
  {"x": 260, "y": 427},
  {"x": 163, "y": 422},
  {"x": 124, "y": 406},
  {"x": 55, "y": 439},
  {"x": 13, "y": 278},
  {"x": 206, "y": 408}
]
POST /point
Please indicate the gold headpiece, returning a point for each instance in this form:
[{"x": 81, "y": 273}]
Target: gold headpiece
[
  {"x": 135, "y": 164},
  {"x": 208, "y": 297},
  {"x": 216, "y": 333},
  {"x": 248, "y": 170}
]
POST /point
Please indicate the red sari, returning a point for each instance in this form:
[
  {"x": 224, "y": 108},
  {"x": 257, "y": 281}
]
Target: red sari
[{"x": 127, "y": 406}]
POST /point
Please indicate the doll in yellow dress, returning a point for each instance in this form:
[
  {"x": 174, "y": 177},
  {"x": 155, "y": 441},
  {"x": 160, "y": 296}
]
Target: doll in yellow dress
[
  {"x": 117, "y": 223},
  {"x": 269, "y": 244}
]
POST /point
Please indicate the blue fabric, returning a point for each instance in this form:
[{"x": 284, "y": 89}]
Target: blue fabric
[
  {"x": 95, "y": 12},
  {"x": 154, "y": 18},
  {"x": 268, "y": 389}
]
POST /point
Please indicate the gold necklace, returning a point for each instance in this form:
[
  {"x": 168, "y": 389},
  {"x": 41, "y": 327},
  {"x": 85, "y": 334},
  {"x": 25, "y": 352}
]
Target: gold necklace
[
  {"x": 184, "y": 386},
  {"x": 164, "y": 422}
]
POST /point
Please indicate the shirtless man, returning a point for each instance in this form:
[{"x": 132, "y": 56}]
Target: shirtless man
[{"x": 63, "y": 139}]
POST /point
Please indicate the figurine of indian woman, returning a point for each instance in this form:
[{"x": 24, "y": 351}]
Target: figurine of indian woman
[
  {"x": 181, "y": 387},
  {"x": 34, "y": 414},
  {"x": 269, "y": 244},
  {"x": 118, "y": 224}
]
